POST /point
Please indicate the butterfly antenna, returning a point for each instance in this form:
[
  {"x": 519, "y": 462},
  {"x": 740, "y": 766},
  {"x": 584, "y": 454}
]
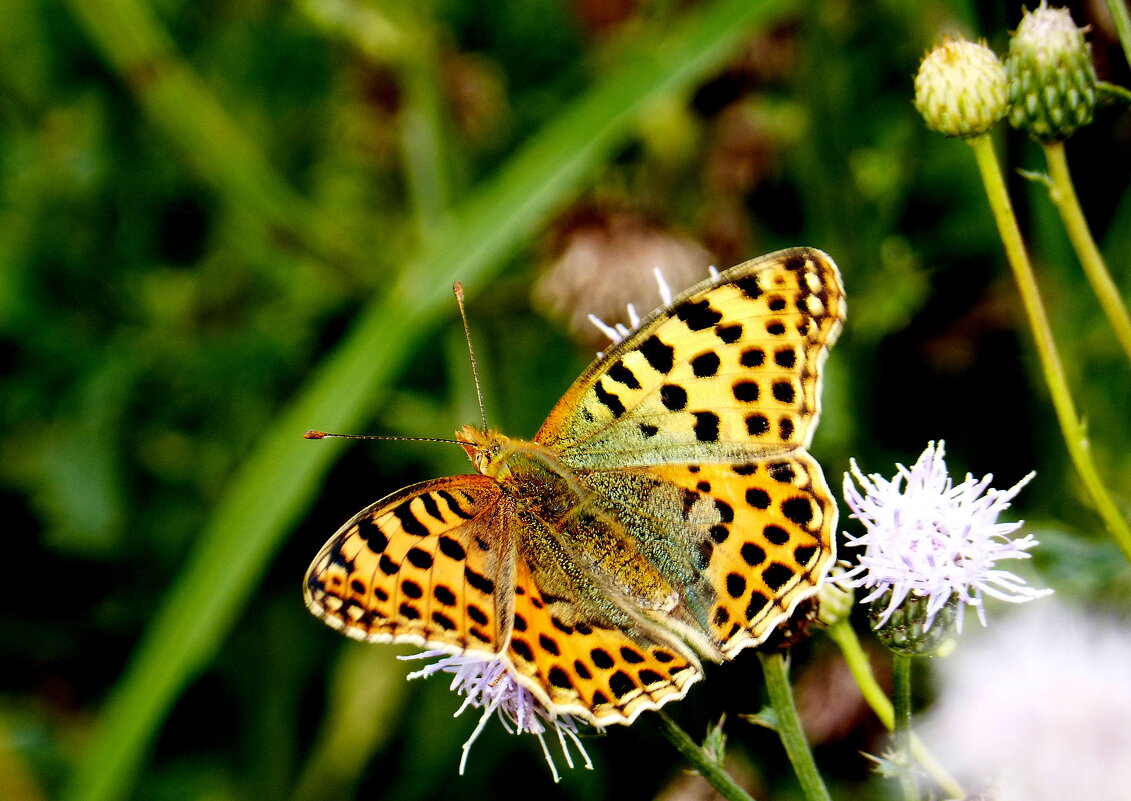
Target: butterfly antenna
[
  {"x": 313, "y": 434},
  {"x": 458, "y": 289}
]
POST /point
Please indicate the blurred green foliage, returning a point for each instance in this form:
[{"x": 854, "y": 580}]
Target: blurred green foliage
[{"x": 223, "y": 224}]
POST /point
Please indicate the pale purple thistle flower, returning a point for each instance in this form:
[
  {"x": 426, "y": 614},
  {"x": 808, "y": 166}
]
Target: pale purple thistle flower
[
  {"x": 928, "y": 538},
  {"x": 490, "y": 684}
]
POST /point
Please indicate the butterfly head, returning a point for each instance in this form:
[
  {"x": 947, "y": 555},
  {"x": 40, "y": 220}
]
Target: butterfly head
[{"x": 488, "y": 450}]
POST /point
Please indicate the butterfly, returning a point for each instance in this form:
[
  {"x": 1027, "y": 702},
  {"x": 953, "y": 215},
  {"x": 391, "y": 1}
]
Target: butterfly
[{"x": 666, "y": 512}]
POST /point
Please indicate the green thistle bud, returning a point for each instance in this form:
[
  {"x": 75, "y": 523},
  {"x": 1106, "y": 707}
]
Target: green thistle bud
[
  {"x": 1052, "y": 83},
  {"x": 911, "y": 629},
  {"x": 961, "y": 89}
]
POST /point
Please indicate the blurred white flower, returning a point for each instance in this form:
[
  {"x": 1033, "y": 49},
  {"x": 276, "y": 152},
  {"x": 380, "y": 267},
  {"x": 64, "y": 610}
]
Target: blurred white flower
[
  {"x": 927, "y": 539},
  {"x": 1039, "y": 710},
  {"x": 490, "y": 684}
]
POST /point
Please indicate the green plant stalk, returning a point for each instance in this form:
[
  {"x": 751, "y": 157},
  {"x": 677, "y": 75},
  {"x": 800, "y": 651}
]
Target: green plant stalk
[
  {"x": 901, "y": 702},
  {"x": 711, "y": 772},
  {"x": 1122, "y": 20},
  {"x": 423, "y": 128},
  {"x": 1063, "y": 195},
  {"x": 1079, "y": 448},
  {"x": 277, "y": 482},
  {"x": 845, "y": 637},
  {"x": 789, "y": 727},
  {"x": 1113, "y": 93}
]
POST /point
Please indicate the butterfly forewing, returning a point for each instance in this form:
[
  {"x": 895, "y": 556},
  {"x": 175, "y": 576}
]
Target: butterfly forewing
[
  {"x": 431, "y": 564},
  {"x": 731, "y": 369}
]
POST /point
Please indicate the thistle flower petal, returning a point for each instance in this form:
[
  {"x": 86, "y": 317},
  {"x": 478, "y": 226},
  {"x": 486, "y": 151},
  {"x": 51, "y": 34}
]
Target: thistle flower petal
[
  {"x": 933, "y": 542},
  {"x": 488, "y": 683}
]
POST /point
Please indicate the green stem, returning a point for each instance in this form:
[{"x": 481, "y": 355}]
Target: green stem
[
  {"x": 1113, "y": 93},
  {"x": 1063, "y": 195},
  {"x": 789, "y": 727},
  {"x": 845, "y": 637},
  {"x": 708, "y": 768},
  {"x": 1079, "y": 448},
  {"x": 901, "y": 698},
  {"x": 1119, "y": 15}
]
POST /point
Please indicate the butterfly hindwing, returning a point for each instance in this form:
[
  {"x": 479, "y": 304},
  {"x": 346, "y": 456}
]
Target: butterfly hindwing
[
  {"x": 773, "y": 542},
  {"x": 431, "y": 564},
  {"x": 600, "y": 672},
  {"x": 730, "y": 369},
  {"x": 742, "y": 544}
]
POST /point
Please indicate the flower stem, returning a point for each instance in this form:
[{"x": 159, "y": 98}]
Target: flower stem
[
  {"x": 845, "y": 637},
  {"x": 901, "y": 698},
  {"x": 789, "y": 727},
  {"x": 710, "y": 770},
  {"x": 1079, "y": 448},
  {"x": 1063, "y": 195}
]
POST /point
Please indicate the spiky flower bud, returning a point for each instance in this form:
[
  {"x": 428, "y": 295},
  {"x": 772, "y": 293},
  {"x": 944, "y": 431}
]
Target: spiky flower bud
[
  {"x": 961, "y": 89},
  {"x": 1052, "y": 83},
  {"x": 912, "y": 629}
]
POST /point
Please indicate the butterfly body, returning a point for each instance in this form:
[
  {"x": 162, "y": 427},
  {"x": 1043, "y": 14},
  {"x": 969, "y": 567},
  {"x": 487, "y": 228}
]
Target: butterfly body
[{"x": 667, "y": 510}]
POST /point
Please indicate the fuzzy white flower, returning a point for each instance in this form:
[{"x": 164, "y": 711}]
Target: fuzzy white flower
[
  {"x": 1038, "y": 710},
  {"x": 490, "y": 684},
  {"x": 928, "y": 539}
]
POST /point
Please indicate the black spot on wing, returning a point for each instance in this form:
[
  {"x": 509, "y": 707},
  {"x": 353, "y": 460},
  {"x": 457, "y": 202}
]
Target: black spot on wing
[
  {"x": 454, "y": 505},
  {"x": 673, "y": 397},
  {"x": 757, "y": 424},
  {"x": 405, "y": 516},
  {"x": 798, "y": 510},
  {"x": 729, "y": 333},
  {"x": 803, "y": 554},
  {"x": 705, "y": 364},
  {"x": 372, "y": 535},
  {"x": 431, "y": 507},
  {"x": 783, "y": 391},
  {"x": 776, "y": 576},
  {"x": 601, "y": 658},
  {"x": 622, "y": 375},
  {"x": 786, "y": 357},
  {"x": 621, "y": 684},
  {"x": 608, "y": 399},
  {"x": 659, "y": 355},
  {"x": 752, "y": 357},
  {"x": 749, "y": 287},
  {"x": 746, "y": 391},
  {"x": 479, "y": 581},
  {"x": 698, "y": 314},
  {"x": 452, "y": 549},
  {"x": 419, "y": 558},
  {"x": 706, "y": 426}
]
